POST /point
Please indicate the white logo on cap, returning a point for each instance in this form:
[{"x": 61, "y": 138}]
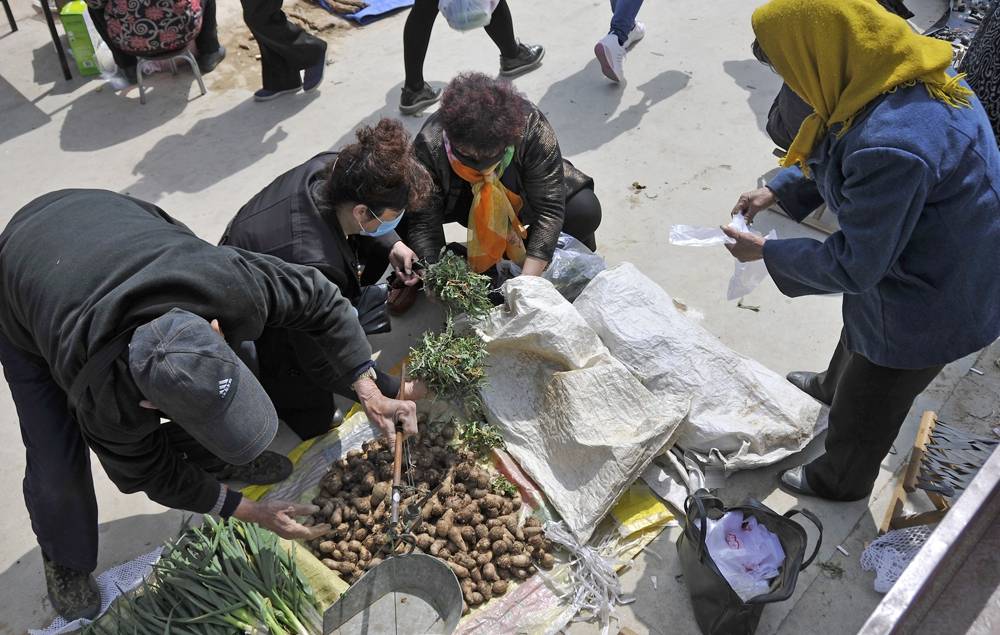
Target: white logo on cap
[{"x": 224, "y": 387}]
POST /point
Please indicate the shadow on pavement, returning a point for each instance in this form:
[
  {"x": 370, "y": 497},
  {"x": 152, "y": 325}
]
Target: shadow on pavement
[
  {"x": 584, "y": 107},
  {"x": 760, "y": 82},
  {"x": 214, "y": 148}
]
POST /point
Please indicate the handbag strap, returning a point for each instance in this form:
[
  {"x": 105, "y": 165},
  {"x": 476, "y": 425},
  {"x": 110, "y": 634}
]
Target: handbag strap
[
  {"x": 97, "y": 365},
  {"x": 819, "y": 526},
  {"x": 699, "y": 498}
]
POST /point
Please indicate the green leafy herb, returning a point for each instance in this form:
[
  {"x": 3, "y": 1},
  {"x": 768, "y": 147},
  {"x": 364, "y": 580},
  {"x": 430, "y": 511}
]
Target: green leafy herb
[
  {"x": 480, "y": 437},
  {"x": 500, "y": 485},
  {"x": 453, "y": 366},
  {"x": 459, "y": 289}
]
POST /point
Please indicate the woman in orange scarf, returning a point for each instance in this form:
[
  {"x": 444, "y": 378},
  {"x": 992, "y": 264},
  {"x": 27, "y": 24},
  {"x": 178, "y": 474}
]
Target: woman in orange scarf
[{"x": 497, "y": 170}]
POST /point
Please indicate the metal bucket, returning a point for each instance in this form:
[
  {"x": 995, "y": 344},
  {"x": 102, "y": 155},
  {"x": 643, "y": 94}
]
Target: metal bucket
[{"x": 412, "y": 593}]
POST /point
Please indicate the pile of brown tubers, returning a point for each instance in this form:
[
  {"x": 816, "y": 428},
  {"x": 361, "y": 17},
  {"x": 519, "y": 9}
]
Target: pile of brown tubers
[{"x": 474, "y": 530}]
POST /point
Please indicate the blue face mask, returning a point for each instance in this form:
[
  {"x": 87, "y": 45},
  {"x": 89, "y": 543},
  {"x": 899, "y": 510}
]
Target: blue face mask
[{"x": 384, "y": 226}]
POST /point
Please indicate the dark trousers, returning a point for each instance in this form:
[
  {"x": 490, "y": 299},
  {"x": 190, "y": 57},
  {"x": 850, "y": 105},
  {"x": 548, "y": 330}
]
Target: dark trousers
[
  {"x": 868, "y": 404},
  {"x": 583, "y": 217},
  {"x": 207, "y": 40},
  {"x": 285, "y": 49},
  {"x": 58, "y": 485},
  {"x": 417, "y": 36}
]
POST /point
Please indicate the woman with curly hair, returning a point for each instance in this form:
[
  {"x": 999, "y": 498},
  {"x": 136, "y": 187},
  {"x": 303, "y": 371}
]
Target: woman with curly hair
[
  {"x": 336, "y": 212},
  {"x": 496, "y": 169}
]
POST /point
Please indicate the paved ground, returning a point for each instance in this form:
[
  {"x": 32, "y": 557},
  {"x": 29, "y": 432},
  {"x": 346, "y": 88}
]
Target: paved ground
[{"x": 688, "y": 127}]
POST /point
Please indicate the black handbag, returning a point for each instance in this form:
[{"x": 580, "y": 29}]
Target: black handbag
[
  {"x": 717, "y": 608},
  {"x": 372, "y": 309}
]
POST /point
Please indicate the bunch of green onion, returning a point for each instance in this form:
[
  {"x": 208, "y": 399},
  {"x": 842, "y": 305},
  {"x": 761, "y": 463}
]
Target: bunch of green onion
[{"x": 223, "y": 577}]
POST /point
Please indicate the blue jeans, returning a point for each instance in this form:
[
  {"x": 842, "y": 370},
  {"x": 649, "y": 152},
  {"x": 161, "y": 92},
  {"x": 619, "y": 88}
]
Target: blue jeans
[{"x": 623, "y": 17}]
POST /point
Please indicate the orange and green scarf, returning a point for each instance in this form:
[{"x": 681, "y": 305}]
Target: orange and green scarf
[{"x": 494, "y": 228}]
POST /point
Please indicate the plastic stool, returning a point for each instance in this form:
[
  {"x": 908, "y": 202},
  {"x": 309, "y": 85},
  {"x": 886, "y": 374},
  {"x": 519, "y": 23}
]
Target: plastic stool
[{"x": 183, "y": 54}]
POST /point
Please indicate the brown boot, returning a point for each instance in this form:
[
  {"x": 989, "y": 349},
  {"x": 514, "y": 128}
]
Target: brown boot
[
  {"x": 401, "y": 299},
  {"x": 74, "y": 594}
]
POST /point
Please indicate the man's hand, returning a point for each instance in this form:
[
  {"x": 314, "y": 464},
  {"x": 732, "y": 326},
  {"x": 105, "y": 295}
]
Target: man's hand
[
  {"x": 533, "y": 266},
  {"x": 402, "y": 259},
  {"x": 278, "y": 516},
  {"x": 415, "y": 390},
  {"x": 748, "y": 247},
  {"x": 385, "y": 412},
  {"x": 752, "y": 202}
]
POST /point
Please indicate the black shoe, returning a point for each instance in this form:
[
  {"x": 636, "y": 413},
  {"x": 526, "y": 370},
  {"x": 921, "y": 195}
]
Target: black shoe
[
  {"x": 528, "y": 58},
  {"x": 413, "y": 101},
  {"x": 74, "y": 594},
  {"x": 806, "y": 382},
  {"x": 793, "y": 481},
  {"x": 208, "y": 61},
  {"x": 268, "y": 468},
  {"x": 131, "y": 74}
]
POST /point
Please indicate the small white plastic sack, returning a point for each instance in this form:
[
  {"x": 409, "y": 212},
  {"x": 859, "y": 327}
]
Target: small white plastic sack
[
  {"x": 746, "y": 275},
  {"x": 465, "y": 15},
  {"x": 748, "y": 414},
  {"x": 890, "y": 554},
  {"x": 572, "y": 267},
  {"x": 579, "y": 423},
  {"x": 746, "y": 553}
]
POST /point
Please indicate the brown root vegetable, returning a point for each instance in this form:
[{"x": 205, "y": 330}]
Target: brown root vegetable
[
  {"x": 337, "y": 516},
  {"x": 444, "y": 524},
  {"x": 465, "y": 560},
  {"x": 477, "y": 575},
  {"x": 445, "y": 553},
  {"x": 537, "y": 542},
  {"x": 499, "y": 588},
  {"x": 424, "y": 542},
  {"x": 362, "y": 504},
  {"x": 447, "y": 489},
  {"x": 517, "y": 548},
  {"x": 381, "y": 510},
  {"x": 327, "y": 546},
  {"x": 478, "y": 493},
  {"x": 355, "y": 546},
  {"x": 531, "y": 531},
  {"x": 432, "y": 509},
  {"x": 532, "y": 521},
  {"x": 352, "y": 557},
  {"x": 547, "y": 561},
  {"x": 476, "y": 598},
  {"x": 497, "y": 533},
  {"x": 374, "y": 562},
  {"x": 478, "y": 519},
  {"x": 484, "y": 558},
  {"x": 482, "y": 531},
  {"x": 360, "y": 534},
  {"x": 483, "y": 544},
  {"x": 522, "y": 574},
  {"x": 368, "y": 482},
  {"x": 460, "y": 572},
  {"x": 455, "y": 537},
  {"x": 380, "y": 491},
  {"x": 485, "y": 589},
  {"x": 504, "y": 561},
  {"x": 468, "y": 535},
  {"x": 339, "y": 567},
  {"x": 500, "y": 547},
  {"x": 489, "y": 572},
  {"x": 436, "y": 547}
]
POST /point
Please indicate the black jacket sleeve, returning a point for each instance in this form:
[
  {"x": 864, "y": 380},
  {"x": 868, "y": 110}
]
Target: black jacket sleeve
[
  {"x": 425, "y": 226},
  {"x": 543, "y": 180}
]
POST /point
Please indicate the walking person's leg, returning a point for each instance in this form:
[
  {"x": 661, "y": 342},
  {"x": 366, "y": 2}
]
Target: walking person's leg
[
  {"x": 823, "y": 386},
  {"x": 58, "y": 485},
  {"x": 285, "y": 49},
  {"x": 417, "y": 94},
  {"x": 869, "y": 406},
  {"x": 625, "y": 32},
  {"x": 515, "y": 58}
]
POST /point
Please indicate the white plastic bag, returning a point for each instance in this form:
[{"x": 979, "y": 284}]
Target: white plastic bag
[
  {"x": 571, "y": 269},
  {"x": 751, "y": 415},
  {"x": 746, "y": 275},
  {"x": 746, "y": 553},
  {"x": 465, "y": 15},
  {"x": 577, "y": 421}
]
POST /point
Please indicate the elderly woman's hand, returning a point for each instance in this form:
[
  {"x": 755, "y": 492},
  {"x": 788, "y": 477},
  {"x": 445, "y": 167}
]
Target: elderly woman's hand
[
  {"x": 747, "y": 248},
  {"x": 752, "y": 202}
]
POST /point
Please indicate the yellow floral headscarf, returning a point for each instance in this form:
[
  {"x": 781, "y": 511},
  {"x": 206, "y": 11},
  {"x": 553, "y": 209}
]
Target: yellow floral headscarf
[{"x": 838, "y": 55}]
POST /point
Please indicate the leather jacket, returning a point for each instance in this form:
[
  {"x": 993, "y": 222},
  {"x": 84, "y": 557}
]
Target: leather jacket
[{"x": 538, "y": 173}]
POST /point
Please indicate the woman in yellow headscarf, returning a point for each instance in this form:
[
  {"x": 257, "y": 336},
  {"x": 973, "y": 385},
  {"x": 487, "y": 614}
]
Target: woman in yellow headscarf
[{"x": 902, "y": 152}]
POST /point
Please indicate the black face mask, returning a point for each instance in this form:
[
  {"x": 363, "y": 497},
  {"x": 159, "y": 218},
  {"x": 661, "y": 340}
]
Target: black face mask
[{"x": 480, "y": 165}]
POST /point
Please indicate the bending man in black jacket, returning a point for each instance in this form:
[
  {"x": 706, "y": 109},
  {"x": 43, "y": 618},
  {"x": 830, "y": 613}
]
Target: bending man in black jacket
[{"x": 105, "y": 310}]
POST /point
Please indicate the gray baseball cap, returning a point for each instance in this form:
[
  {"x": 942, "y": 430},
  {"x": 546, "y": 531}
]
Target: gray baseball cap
[{"x": 192, "y": 375}]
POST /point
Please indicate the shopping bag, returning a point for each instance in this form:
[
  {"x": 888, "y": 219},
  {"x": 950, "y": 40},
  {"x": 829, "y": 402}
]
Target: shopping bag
[
  {"x": 465, "y": 15},
  {"x": 718, "y": 609}
]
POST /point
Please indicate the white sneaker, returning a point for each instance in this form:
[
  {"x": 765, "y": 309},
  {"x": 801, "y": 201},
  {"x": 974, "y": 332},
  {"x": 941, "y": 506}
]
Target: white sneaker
[
  {"x": 611, "y": 55},
  {"x": 637, "y": 33}
]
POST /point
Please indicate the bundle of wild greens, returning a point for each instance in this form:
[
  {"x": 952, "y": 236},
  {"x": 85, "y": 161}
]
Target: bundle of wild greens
[
  {"x": 452, "y": 365},
  {"x": 460, "y": 289},
  {"x": 224, "y": 577}
]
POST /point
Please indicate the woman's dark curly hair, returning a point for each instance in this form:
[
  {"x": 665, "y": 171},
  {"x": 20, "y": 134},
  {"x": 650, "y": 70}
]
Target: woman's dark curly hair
[
  {"x": 379, "y": 170},
  {"x": 483, "y": 112}
]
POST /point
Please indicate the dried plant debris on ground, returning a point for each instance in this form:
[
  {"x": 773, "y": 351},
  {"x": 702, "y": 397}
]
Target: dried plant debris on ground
[
  {"x": 455, "y": 515},
  {"x": 453, "y": 366},
  {"x": 458, "y": 288},
  {"x": 480, "y": 437}
]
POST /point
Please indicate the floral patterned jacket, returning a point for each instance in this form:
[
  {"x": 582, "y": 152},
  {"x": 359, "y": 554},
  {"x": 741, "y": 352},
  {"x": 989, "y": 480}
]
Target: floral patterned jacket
[{"x": 150, "y": 27}]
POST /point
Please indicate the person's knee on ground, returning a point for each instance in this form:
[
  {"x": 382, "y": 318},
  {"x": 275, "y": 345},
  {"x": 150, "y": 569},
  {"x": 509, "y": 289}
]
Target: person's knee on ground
[{"x": 583, "y": 217}]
